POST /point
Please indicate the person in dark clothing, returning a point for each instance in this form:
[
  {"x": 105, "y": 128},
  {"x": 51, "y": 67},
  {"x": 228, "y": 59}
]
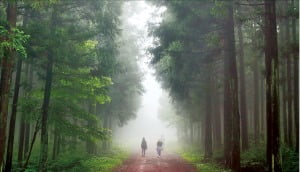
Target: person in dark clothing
[
  {"x": 144, "y": 146},
  {"x": 159, "y": 148}
]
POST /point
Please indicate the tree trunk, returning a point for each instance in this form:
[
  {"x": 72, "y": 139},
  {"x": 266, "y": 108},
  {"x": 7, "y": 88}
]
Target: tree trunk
[
  {"x": 262, "y": 107},
  {"x": 36, "y": 130},
  {"x": 284, "y": 109},
  {"x": 44, "y": 121},
  {"x": 198, "y": 134},
  {"x": 46, "y": 101},
  {"x": 282, "y": 68},
  {"x": 243, "y": 102},
  {"x": 216, "y": 118},
  {"x": 27, "y": 124},
  {"x": 90, "y": 144},
  {"x": 21, "y": 140},
  {"x": 208, "y": 121},
  {"x": 106, "y": 125},
  {"x": 296, "y": 78},
  {"x": 27, "y": 138},
  {"x": 272, "y": 90},
  {"x": 58, "y": 144},
  {"x": 6, "y": 75},
  {"x": 231, "y": 85},
  {"x": 55, "y": 145},
  {"x": 256, "y": 102},
  {"x": 191, "y": 130},
  {"x": 12, "y": 124},
  {"x": 289, "y": 103},
  {"x": 288, "y": 77},
  {"x": 227, "y": 116}
]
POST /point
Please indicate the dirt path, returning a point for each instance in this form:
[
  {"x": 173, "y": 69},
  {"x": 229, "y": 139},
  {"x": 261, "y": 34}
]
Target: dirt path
[{"x": 152, "y": 163}]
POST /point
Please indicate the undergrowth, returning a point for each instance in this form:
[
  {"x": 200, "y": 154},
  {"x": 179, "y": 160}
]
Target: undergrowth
[
  {"x": 79, "y": 161},
  {"x": 104, "y": 163},
  {"x": 197, "y": 159}
]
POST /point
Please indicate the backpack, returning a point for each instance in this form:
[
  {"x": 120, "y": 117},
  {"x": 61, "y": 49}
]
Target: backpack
[
  {"x": 144, "y": 144},
  {"x": 159, "y": 143}
]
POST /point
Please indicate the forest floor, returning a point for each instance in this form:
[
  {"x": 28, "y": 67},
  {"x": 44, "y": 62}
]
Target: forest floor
[{"x": 152, "y": 163}]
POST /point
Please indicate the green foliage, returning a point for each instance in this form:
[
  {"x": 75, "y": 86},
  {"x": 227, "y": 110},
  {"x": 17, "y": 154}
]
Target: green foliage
[
  {"x": 213, "y": 39},
  {"x": 175, "y": 46},
  {"x": 218, "y": 10},
  {"x": 68, "y": 160},
  {"x": 30, "y": 104},
  {"x": 254, "y": 156},
  {"x": 197, "y": 159},
  {"x": 104, "y": 163},
  {"x": 14, "y": 40},
  {"x": 184, "y": 48},
  {"x": 38, "y": 4},
  {"x": 290, "y": 159}
]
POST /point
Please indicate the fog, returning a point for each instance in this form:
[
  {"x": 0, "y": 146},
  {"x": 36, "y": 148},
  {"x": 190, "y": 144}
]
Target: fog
[{"x": 147, "y": 122}]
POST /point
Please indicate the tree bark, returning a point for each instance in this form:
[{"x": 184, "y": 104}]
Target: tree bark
[
  {"x": 256, "y": 102},
  {"x": 27, "y": 124},
  {"x": 21, "y": 140},
  {"x": 36, "y": 130},
  {"x": 282, "y": 68},
  {"x": 272, "y": 88},
  {"x": 216, "y": 117},
  {"x": 90, "y": 144},
  {"x": 58, "y": 144},
  {"x": 55, "y": 145},
  {"x": 10, "y": 144},
  {"x": 243, "y": 101},
  {"x": 27, "y": 138},
  {"x": 231, "y": 85},
  {"x": 284, "y": 105},
  {"x": 288, "y": 76},
  {"x": 47, "y": 94},
  {"x": 44, "y": 121},
  {"x": 191, "y": 128},
  {"x": 208, "y": 120},
  {"x": 296, "y": 78},
  {"x": 262, "y": 107},
  {"x": 6, "y": 75}
]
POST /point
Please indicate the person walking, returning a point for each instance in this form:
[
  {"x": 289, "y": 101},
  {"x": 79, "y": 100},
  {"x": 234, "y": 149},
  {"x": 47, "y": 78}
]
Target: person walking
[
  {"x": 144, "y": 146},
  {"x": 159, "y": 148}
]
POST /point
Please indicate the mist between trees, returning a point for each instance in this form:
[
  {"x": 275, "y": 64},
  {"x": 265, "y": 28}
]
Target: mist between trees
[{"x": 72, "y": 76}]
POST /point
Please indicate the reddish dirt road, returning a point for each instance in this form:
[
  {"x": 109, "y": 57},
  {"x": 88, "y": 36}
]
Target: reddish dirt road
[{"x": 152, "y": 163}]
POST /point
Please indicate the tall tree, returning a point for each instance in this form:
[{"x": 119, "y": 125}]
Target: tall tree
[
  {"x": 208, "y": 116},
  {"x": 231, "y": 87},
  {"x": 10, "y": 144},
  {"x": 272, "y": 88},
  {"x": 256, "y": 102},
  {"x": 243, "y": 100},
  {"x": 6, "y": 75},
  {"x": 296, "y": 73},
  {"x": 287, "y": 56},
  {"x": 47, "y": 94}
]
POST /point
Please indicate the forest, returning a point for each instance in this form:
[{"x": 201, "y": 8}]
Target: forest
[{"x": 77, "y": 74}]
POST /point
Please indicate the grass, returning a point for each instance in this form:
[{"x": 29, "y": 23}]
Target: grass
[
  {"x": 254, "y": 156},
  {"x": 290, "y": 160},
  {"x": 104, "y": 163},
  {"x": 196, "y": 158},
  {"x": 80, "y": 161}
]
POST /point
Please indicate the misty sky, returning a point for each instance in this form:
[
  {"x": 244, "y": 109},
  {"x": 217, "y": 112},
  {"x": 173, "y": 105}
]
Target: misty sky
[{"x": 147, "y": 123}]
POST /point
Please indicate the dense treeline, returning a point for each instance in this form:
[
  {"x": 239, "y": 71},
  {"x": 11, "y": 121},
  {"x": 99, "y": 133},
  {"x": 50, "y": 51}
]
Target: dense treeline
[
  {"x": 234, "y": 83},
  {"x": 69, "y": 76},
  {"x": 65, "y": 67}
]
